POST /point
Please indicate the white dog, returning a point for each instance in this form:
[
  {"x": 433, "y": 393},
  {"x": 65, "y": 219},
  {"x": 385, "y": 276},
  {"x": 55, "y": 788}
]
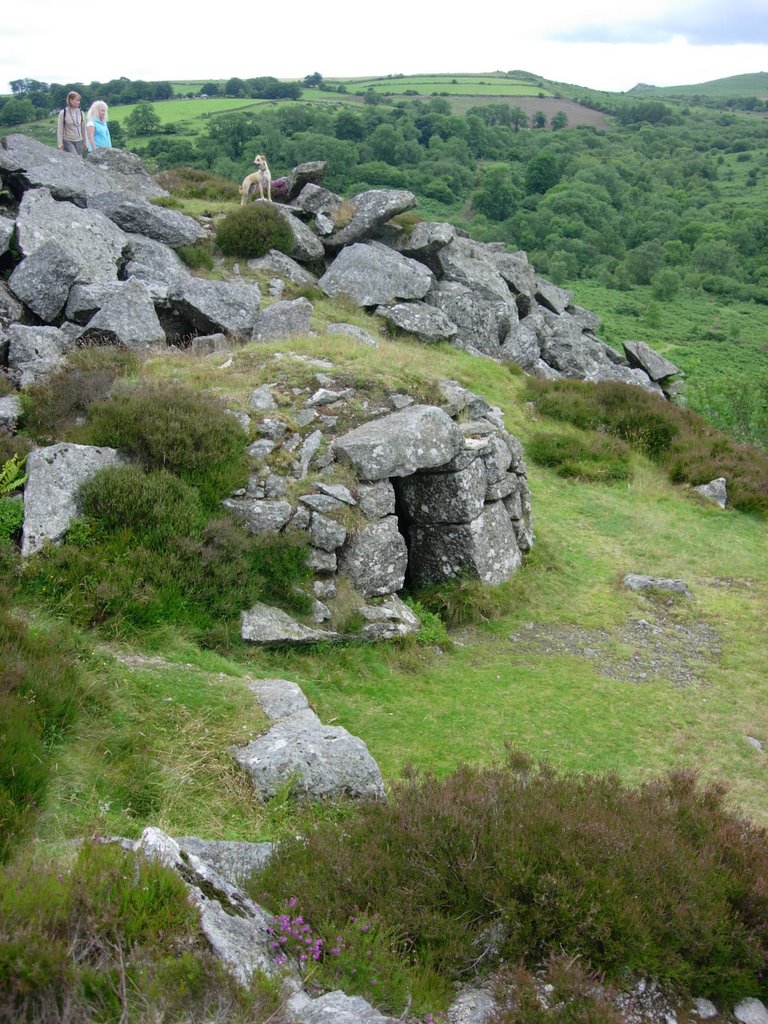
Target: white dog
[{"x": 261, "y": 179}]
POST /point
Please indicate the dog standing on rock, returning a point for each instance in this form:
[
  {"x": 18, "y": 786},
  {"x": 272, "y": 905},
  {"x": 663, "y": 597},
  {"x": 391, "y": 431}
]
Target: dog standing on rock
[{"x": 261, "y": 179}]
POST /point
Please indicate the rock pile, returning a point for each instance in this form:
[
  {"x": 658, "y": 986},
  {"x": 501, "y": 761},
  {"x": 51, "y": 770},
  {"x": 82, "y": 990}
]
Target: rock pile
[
  {"x": 84, "y": 230},
  {"x": 437, "y": 491}
]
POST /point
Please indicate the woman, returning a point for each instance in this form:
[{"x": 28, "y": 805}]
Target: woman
[
  {"x": 70, "y": 127},
  {"x": 98, "y": 130}
]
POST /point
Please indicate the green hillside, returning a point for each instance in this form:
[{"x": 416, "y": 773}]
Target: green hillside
[
  {"x": 575, "y": 771},
  {"x": 755, "y": 84}
]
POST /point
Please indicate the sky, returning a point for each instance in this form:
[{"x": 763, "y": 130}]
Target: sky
[{"x": 599, "y": 44}]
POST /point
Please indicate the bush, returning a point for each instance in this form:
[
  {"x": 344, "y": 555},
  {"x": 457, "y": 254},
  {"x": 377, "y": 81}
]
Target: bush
[
  {"x": 197, "y": 256},
  {"x": 54, "y": 406},
  {"x": 123, "y": 580},
  {"x": 252, "y": 230},
  {"x": 516, "y": 863},
  {"x": 167, "y": 426},
  {"x": 589, "y": 456},
  {"x": 680, "y": 441},
  {"x": 157, "y": 505}
]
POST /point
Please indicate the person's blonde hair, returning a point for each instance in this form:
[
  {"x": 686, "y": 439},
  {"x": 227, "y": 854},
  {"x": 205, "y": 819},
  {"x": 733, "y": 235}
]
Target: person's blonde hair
[{"x": 93, "y": 111}]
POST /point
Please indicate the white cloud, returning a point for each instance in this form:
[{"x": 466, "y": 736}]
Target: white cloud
[{"x": 596, "y": 43}]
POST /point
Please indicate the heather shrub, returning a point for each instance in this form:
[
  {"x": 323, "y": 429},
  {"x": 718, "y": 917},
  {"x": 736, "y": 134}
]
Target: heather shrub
[
  {"x": 197, "y": 256},
  {"x": 168, "y": 426},
  {"x": 515, "y": 863},
  {"x": 125, "y": 579},
  {"x": 192, "y": 183},
  {"x": 680, "y": 441},
  {"x": 14, "y": 446},
  {"x": 584, "y": 456},
  {"x": 252, "y": 230},
  {"x": 54, "y": 406},
  {"x": 157, "y": 505},
  {"x": 562, "y": 992},
  {"x": 113, "y": 937},
  {"x": 41, "y": 693}
]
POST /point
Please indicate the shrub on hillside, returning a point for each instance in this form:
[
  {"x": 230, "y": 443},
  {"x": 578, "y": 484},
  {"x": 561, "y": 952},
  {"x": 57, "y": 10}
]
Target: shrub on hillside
[
  {"x": 167, "y": 426},
  {"x": 681, "y": 441},
  {"x": 197, "y": 256},
  {"x": 162, "y": 567},
  {"x": 155, "y": 506},
  {"x": 52, "y": 407},
  {"x": 516, "y": 863},
  {"x": 252, "y": 230},
  {"x": 191, "y": 183}
]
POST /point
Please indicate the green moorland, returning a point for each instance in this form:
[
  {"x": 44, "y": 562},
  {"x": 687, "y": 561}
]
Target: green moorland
[{"x": 527, "y": 734}]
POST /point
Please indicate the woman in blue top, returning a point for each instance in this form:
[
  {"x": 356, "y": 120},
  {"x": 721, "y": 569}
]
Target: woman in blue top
[{"x": 98, "y": 130}]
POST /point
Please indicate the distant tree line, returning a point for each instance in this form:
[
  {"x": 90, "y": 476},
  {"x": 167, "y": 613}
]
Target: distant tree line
[{"x": 32, "y": 100}]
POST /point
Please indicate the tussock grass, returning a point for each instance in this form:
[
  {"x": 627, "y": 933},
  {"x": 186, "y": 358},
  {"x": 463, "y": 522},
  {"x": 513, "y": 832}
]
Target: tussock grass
[
  {"x": 158, "y": 751},
  {"x": 110, "y": 937}
]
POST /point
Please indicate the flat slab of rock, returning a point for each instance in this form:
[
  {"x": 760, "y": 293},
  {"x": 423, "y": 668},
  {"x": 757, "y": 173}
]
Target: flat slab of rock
[
  {"x": 233, "y": 860},
  {"x": 485, "y": 549},
  {"x": 136, "y": 215},
  {"x": 10, "y": 412},
  {"x": 34, "y": 352},
  {"x": 127, "y": 318},
  {"x": 419, "y": 318},
  {"x": 90, "y": 239},
  {"x": 371, "y": 210},
  {"x": 715, "y": 491},
  {"x": 333, "y": 1008},
  {"x": 214, "y": 306},
  {"x": 635, "y": 581},
  {"x": 264, "y": 624},
  {"x": 325, "y": 762},
  {"x": 418, "y": 437},
  {"x": 372, "y": 275},
  {"x": 279, "y": 698},
  {"x": 55, "y": 475},
  {"x": 643, "y": 356},
  {"x": 375, "y": 558},
  {"x": 284, "y": 320},
  {"x": 42, "y": 280}
]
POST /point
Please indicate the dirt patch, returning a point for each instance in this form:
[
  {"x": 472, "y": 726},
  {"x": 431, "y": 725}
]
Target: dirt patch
[
  {"x": 577, "y": 114},
  {"x": 660, "y": 649}
]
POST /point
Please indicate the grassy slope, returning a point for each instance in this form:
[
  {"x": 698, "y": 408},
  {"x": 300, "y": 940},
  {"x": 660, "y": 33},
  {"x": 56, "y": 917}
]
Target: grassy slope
[
  {"x": 755, "y": 84},
  {"x": 414, "y": 704}
]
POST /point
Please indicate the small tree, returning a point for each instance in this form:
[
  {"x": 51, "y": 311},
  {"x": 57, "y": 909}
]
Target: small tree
[
  {"x": 518, "y": 118},
  {"x": 313, "y": 81},
  {"x": 559, "y": 120},
  {"x": 539, "y": 119},
  {"x": 142, "y": 120}
]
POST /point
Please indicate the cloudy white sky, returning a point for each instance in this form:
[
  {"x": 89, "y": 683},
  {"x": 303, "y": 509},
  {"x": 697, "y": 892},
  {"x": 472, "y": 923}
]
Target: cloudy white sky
[{"x": 601, "y": 44}]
